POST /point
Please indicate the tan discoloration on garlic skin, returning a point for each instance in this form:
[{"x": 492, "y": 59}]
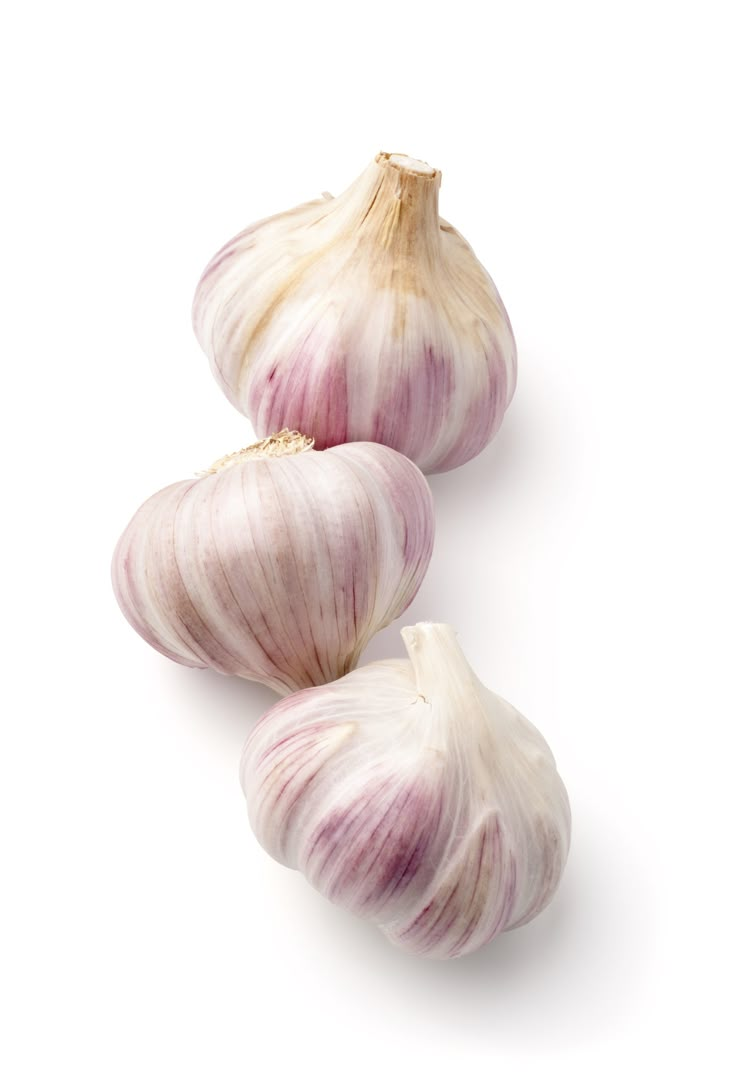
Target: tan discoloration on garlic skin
[
  {"x": 278, "y": 567},
  {"x": 413, "y": 796},
  {"x": 332, "y": 318}
]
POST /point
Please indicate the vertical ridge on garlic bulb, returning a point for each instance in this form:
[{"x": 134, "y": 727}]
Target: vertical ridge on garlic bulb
[
  {"x": 280, "y": 562},
  {"x": 362, "y": 318},
  {"x": 413, "y": 796}
]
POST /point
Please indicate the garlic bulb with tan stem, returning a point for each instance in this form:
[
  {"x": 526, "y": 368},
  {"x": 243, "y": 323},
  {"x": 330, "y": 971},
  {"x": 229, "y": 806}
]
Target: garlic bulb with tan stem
[
  {"x": 362, "y": 318},
  {"x": 411, "y": 795},
  {"x": 280, "y": 563}
]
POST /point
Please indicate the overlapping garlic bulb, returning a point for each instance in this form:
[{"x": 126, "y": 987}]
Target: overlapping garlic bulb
[
  {"x": 281, "y": 563},
  {"x": 413, "y": 796},
  {"x": 362, "y": 318}
]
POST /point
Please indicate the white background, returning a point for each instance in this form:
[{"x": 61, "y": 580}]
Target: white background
[{"x": 586, "y": 559}]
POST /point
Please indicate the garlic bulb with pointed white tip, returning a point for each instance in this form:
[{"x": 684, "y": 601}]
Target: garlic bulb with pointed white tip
[
  {"x": 362, "y": 318},
  {"x": 280, "y": 563},
  {"x": 413, "y": 796}
]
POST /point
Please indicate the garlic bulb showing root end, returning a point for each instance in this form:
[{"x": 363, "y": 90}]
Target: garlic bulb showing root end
[
  {"x": 413, "y": 796},
  {"x": 280, "y": 563},
  {"x": 362, "y": 318}
]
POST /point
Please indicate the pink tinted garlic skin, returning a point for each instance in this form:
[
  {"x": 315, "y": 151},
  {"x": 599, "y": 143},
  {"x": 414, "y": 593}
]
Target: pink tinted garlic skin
[
  {"x": 362, "y": 318},
  {"x": 281, "y": 563},
  {"x": 411, "y": 795}
]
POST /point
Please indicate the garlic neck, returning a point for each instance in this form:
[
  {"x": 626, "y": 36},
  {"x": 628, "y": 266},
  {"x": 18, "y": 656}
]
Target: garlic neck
[
  {"x": 394, "y": 204},
  {"x": 286, "y": 443},
  {"x": 439, "y": 665}
]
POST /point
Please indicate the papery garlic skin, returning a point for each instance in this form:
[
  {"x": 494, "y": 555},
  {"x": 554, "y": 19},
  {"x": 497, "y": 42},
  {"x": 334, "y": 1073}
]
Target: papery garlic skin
[
  {"x": 410, "y": 794},
  {"x": 362, "y": 318},
  {"x": 281, "y": 564}
]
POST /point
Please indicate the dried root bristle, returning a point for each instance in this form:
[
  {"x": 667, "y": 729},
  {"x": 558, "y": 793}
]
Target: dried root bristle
[{"x": 286, "y": 443}]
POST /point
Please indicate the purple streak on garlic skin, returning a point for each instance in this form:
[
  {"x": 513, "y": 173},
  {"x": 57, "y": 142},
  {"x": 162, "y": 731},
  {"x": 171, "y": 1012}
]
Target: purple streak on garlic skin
[
  {"x": 278, "y": 569},
  {"x": 405, "y": 409},
  {"x": 362, "y": 318},
  {"x": 413, "y": 796}
]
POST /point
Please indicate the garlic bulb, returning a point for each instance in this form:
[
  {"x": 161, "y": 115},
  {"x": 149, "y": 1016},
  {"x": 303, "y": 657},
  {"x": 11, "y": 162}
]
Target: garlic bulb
[
  {"x": 362, "y": 318},
  {"x": 413, "y": 796},
  {"x": 279, "y": 564}
]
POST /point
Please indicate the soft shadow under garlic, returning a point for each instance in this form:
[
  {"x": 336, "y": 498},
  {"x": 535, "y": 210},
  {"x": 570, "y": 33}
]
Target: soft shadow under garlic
[
  {"x": 530, "y": 989},
  {"x": 225, "y": 700}
]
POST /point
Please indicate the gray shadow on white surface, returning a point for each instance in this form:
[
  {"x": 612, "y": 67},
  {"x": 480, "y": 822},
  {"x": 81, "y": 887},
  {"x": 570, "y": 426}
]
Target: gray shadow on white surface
[
  {"x": 564, "y": 976},
  {"x": 225, "y": 705},
  {"x": 237, "y": 701},
  {"x": 494, "y": 478},
  {"x": 534, "y": 440}
]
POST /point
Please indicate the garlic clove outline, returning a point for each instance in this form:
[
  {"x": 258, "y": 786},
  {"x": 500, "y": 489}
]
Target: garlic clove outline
[
  {"x": 364, "y": 317},
  {"x": 281, "y": 562},
  {"x": 413, "y": 796}
]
